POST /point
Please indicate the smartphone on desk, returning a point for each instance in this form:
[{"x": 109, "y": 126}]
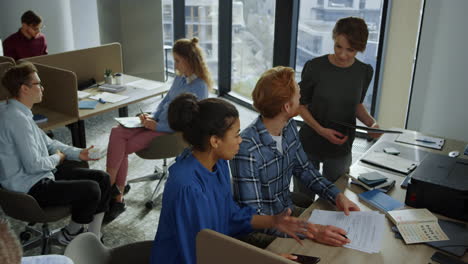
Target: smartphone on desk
[{"x": 303, "y": 259}]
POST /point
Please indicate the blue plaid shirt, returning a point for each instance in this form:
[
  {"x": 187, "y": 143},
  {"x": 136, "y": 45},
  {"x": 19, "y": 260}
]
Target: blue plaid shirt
[{"x": 261, "y": 174}]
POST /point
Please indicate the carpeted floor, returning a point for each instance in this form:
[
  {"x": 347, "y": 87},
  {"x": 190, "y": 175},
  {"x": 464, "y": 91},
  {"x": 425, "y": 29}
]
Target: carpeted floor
[{"x": 136, "y": 223}]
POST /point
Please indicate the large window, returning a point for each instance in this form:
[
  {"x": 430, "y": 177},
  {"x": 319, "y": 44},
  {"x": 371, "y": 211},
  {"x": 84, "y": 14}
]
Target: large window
[
  {"x": 168, "y": 31},
  {"x": 253, "y": 24},
  {"x": 201, "y": 20},
  {"x": 316, "y": 21}
]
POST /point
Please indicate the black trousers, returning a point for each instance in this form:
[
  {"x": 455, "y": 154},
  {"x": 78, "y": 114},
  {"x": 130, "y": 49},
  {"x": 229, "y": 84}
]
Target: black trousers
[{"x": 87, "y": 191}]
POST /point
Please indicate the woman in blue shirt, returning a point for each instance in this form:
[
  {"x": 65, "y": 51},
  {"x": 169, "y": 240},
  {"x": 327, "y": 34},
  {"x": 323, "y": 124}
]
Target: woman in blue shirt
[
  {"x": 193, "y": 77},
  {"x": 198, "y": 194}
]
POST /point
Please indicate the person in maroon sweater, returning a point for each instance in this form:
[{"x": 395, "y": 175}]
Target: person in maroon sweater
[{"x": 28, "y": 41}]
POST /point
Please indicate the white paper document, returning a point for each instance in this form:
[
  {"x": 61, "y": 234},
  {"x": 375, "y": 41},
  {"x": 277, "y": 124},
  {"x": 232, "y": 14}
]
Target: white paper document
[
  {"x": 418, "y": 139},
  {"x": 145, "y": 84},
  {"x": 109, "y": 97},
  {"x": 364, "y": 229},
  {"x": 129, "y": 122},
  {"x": 82, "y": 95}
]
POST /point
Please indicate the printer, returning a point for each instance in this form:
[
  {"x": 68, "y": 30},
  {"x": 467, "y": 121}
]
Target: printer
[{"x": 440, "y": 184}]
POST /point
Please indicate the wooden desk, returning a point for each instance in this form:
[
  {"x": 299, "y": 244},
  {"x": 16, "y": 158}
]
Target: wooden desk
[
  {"x": 135, "y": 95},
  {"x": 393, "y": 250}
]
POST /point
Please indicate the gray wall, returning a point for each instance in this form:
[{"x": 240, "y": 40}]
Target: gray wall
[
  {"x": 137, "y": 25},
  {"x": 439, "y": 100},
  {"x": 68, "y": 24}
]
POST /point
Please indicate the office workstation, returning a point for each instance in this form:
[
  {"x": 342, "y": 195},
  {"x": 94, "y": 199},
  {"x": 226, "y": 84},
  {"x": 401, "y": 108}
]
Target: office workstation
[
  {"x": 90, "y": 64},
  {"x": 413, "y": 90},
  {"x": 393, "y": 250}
]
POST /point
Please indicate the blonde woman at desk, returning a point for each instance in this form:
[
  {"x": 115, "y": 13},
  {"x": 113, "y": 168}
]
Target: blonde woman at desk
[
  {"x": 198, "y": 192},
  {"x": 192, "y": 77}
]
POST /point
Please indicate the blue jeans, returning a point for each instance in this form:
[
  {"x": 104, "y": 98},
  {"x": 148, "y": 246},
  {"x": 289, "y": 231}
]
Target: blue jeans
[{"x": 332, "y": 169}]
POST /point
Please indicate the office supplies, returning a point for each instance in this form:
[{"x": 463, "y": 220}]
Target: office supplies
[
  {"x": 112, "y": 88},
  {"x": 445, "y": 259},
  {"x": 417, "y": 225},
  {"x": 457, "y": 234},
  {"x": 391, "y": 162},
  {"x": 365, "y": 229},
  {"x": 118, "y": 78},
  {"x": 145, "y": 84},
  {"x": 87, "y": 104},
  {"x": 82, "y": 95},
  {"x": 38, "y": 118},
  {"x": 372, "y": 179},
  {"x": 440, "y": 184},
  {"x": 109, "y": 97},
  {"x": 368, "y": 129},
  {"x": 391, "y": 150},
  {"x": 355, "y": 174},
  {"x": 454, "y": 154},
  {"x": 418, "y": 139},
  {"x": 129, "y": 122},
  {"x": 101, "y": 101},
  {"x": 380, "y": 201}
]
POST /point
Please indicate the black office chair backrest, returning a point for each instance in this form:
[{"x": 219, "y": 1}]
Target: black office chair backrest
[{"x": 24, "y": 207}]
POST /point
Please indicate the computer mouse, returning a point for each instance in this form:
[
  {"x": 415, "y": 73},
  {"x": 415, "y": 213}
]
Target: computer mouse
[{"x": 454, "y": 154}]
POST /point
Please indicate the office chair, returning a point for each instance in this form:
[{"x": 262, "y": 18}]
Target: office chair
[
  {"x": 24, "y": 207},
  {"x": 87, "y": 249},
  {"x": 162, "y": 147},
  {"x": 214, "y": 247}
]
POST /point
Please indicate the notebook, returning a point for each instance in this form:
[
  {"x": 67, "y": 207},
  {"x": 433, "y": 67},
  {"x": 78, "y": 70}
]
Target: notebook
[
  {"x": 87, "y": 104},
  {"x": 357, "y": 175},
  {"x": 38, "y": 118},
  {"x": 391, "y": 162},
  {"x": 417, "y": 225},
  {"x": 380, "y": 201},
  {"x": 129, "y": 122}
]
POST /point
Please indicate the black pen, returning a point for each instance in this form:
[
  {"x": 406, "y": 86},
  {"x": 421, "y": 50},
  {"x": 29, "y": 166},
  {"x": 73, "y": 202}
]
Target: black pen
[{"x": 344, "y": 236}]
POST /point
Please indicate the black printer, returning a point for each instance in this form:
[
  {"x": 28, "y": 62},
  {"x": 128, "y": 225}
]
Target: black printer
[{"x": 440, "y": 184}]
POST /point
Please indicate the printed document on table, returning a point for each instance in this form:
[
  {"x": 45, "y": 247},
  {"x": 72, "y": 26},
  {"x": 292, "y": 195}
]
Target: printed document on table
[
  {"x": 109, "y": 97},
  {"x": 364, "y": 229},
  {"x": 145, "y": 84}
]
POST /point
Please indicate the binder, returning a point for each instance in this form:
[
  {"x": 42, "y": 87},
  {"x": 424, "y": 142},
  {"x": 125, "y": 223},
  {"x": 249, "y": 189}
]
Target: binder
[{"x": 391, "y": 162}]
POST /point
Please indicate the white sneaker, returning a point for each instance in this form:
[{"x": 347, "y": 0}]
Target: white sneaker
[{"x": 64, "y": 237}]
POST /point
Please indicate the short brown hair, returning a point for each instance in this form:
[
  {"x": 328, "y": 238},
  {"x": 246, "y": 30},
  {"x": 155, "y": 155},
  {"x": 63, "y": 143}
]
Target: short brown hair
[
  {"x": 16, "y": 76},
  {"x": 191, "y": 51},
  {"x": 31, "y": 18},
  {"x": 355, "y": 30},
  {"x": 274, "y": 88}
]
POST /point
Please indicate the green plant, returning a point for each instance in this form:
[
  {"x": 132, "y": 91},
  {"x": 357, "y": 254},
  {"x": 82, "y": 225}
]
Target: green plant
[{"x": 108, "y": 72}]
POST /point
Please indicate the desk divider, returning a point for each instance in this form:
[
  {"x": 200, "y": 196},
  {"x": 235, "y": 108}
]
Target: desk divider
[
  {"x": 7, "y": 59},
  {"x": 86, "y": 63},
  {"x": 4, "y": 94},
  {"x": 60, "y": 90}
]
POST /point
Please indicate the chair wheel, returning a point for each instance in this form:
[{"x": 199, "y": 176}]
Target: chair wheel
[
  {"x": 25, "y": 236},
  {"x": 149, "y": 204},
  {"x": 127, "y": 189}
]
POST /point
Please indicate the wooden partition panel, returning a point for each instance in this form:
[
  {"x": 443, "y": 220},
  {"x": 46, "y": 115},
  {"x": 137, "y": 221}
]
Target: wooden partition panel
[
  {"x": 4, "y": 94},
  {"x": 60, "y": 92},
  {"x": 86, "y": 63},
  {"x": 7, "y": 59}
]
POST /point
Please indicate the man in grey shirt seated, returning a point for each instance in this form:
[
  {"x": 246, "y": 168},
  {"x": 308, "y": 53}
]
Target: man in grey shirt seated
[{"x": 31, "y": 162}]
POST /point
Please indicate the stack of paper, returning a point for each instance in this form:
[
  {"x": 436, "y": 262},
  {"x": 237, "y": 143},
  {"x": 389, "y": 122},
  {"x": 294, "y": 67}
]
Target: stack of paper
[
  {"x": 364, "y": 229},
  {"x": 145, "y": 84},
  {"x": 82, "y": 95},
  {"x": 109, "y": 97}
]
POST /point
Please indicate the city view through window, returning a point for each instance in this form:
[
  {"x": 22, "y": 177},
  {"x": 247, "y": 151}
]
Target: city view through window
[{"x": 253, "y": 26}]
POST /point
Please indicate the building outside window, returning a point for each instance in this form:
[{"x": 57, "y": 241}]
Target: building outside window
[
  {"x": 253, "y": 26},
  {"x": 316, "y": 21}
]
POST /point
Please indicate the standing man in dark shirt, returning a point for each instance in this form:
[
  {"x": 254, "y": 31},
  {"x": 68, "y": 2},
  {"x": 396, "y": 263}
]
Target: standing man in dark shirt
[{"x": 28, "y": 41}]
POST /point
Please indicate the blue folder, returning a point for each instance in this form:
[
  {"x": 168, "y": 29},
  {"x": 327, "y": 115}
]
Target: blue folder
[
  {"x": 381, "y": 201},
  {"x": 87, "y": 104}
]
